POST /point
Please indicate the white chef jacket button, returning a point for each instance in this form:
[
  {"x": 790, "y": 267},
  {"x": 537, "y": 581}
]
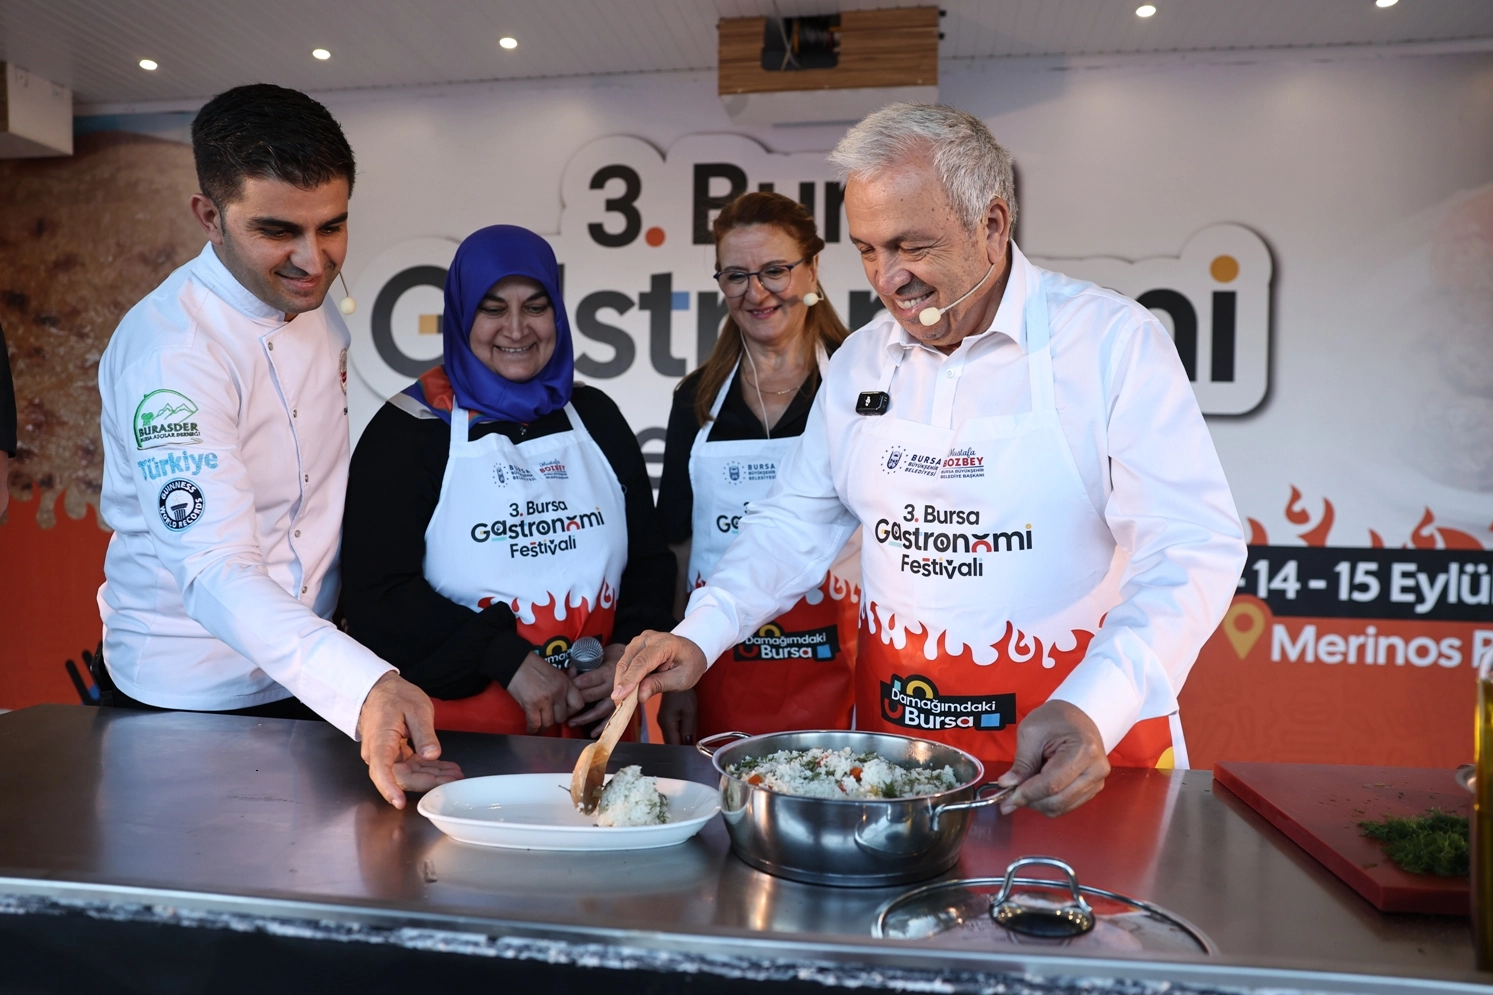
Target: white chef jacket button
[
  {"x": 308, "y": 478},
  {"x": 303, "y": 589},
  {"x": 293, "y": 413},
  {"x": 949, "y": 374},
  {"x": 272, "y": 347},
  {"x": 297, "y": 533}
]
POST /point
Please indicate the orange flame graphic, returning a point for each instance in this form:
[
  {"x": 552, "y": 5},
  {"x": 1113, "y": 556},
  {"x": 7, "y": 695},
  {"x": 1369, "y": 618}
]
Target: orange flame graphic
[
  {"x": 964, "y": 669},
  {"x": 1295, "y": 514},
  {"x": 841, "y": 589},
  {"x": 1298, "y": 515},
  {"x": 554, "y": 618},
  {"x": 1426, "y": 536}
]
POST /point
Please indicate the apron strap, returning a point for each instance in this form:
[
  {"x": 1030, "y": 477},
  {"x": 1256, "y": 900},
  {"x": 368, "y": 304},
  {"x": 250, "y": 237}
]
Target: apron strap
[
  {"x": 1038, "y": 343},
  {"x": 460, "y": 426},
  {"x": 703, "y": 432},
  {"x": 720, "y": 395},
  {"x": 890, "y": 372},
  {"x": 579, "y": 427}
]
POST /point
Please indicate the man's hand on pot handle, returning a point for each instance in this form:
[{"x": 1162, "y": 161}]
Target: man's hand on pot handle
[
  {"x": 657, "y": 662},
  {"x": 1060, "y": 761},
  {"x": 395, "y": 715}
]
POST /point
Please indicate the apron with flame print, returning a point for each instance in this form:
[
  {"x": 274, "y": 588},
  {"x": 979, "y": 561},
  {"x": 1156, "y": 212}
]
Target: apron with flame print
[
  {"x": 794, "y": 672},
  {"x": 986, "y": 571},
  {"x": 540, "y": 524}
]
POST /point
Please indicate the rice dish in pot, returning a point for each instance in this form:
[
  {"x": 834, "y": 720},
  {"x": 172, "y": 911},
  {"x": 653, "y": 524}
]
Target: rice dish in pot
[
  {"x": 630, "y": 799},
  {"x": 822, "y": 773}
]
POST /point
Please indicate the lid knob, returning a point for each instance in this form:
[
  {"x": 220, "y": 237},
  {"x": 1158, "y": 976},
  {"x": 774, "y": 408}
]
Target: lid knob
[{"x": 1073, "y": 919}]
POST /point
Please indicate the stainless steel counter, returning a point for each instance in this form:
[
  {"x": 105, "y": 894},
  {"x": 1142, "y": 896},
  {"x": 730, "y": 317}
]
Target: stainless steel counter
[{"x": 203, "y": 818}]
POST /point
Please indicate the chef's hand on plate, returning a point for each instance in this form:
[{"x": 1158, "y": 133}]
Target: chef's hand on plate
[
  {"x": 657, "y": 662},
  {"x": 396, "y": 714},
  {"x": 1060, "y": 761},
  {"x": 546, "y": 694},
  {"x": 596, "y": 687}
]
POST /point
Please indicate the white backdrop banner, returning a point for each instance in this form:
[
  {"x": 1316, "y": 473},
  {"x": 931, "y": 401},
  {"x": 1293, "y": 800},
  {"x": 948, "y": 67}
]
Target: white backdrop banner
[{"x": 637, "y": 258}]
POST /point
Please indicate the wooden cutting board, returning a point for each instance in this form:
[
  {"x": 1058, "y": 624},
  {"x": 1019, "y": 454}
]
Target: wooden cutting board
[{"x": 1319, "y": 806}]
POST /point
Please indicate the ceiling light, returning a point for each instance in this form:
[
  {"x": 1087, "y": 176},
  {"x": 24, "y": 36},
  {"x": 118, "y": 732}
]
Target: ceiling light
[
  {"x": 508, "y": 42},
  {"x": 321, "y": 53},
  {"x": 1145, "y": 10},
  {"x": 1385, "y": 3},
  {"x": 148, "y": 64}
]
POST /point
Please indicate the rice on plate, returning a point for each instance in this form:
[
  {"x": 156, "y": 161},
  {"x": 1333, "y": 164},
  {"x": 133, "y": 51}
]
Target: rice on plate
[
  {"x": 630, "y": 799},
  {"x": 822, "y": 773}
]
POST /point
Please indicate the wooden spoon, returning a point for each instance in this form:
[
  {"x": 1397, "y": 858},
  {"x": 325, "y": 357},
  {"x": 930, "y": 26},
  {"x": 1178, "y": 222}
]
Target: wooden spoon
[{"x": 591, "y": 769}]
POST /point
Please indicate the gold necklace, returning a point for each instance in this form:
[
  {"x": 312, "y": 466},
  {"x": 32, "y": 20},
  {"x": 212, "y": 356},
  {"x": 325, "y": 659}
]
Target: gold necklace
[{"x": 775, "y": 393}]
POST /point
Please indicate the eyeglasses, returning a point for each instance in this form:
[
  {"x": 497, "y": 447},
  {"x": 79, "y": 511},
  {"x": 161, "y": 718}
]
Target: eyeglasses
[{"x": 774, "y": 278}]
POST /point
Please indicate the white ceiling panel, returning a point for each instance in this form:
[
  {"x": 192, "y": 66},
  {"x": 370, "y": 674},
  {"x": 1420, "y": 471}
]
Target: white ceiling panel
[{"x": 205, "y": 46}]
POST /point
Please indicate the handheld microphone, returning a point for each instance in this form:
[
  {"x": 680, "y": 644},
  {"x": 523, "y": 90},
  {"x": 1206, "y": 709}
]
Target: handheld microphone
[{"x": 930, "y": 315}]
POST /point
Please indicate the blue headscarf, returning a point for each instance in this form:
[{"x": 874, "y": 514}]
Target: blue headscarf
[{"x": 485, "y": 257}]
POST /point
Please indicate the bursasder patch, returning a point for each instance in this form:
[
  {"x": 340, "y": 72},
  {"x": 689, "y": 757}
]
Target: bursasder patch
[
  {"x": 166, "y": 418},
  {"x": 181, "y": 504}
]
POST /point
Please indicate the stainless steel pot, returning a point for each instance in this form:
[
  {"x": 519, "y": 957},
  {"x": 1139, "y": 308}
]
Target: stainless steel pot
[{"x": 850, "y": 842}]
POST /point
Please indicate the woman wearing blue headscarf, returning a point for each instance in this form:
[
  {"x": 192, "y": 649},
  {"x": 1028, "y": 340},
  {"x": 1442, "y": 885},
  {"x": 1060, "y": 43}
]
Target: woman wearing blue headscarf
[{"x": 497, "y": 512}]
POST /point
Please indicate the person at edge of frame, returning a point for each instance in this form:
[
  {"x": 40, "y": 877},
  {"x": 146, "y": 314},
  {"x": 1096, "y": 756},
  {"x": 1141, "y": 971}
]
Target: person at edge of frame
[
  {"x": 499, "y": 512},
  {"x": 226, "y": 453},
  {"x": 734, "y": 421}
]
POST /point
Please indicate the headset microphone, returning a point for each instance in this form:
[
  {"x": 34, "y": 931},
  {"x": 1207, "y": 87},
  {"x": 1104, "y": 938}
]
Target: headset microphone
[
  {"x": 930, "y": 315},
  {"x": 347, "y": 305},
  {"x": 811, "y": 298}
]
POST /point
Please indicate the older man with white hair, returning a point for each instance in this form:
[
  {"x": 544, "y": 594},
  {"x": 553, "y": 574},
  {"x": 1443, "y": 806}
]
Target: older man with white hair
[{"x": 1049, "y": 537}]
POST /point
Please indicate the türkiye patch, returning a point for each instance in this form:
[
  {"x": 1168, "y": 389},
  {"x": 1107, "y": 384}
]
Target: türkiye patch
[
  {"x": 165, "y": 418},
  {"x": 181, "y": 504}
]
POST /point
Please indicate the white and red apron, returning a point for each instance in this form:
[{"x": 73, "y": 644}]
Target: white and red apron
[
  {"x": 795, "y": 671},
  {"x": 986, "y": 571},
  {"x": 540, "y": 524}
]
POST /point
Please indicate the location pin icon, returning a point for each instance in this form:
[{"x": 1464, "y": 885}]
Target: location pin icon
[{"x": 1244, "y": 624}]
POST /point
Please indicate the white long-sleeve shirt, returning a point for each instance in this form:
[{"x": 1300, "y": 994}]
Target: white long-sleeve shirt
[
  {"x": 1142, "y": 449},
  {"x": 225, "y": 468}
]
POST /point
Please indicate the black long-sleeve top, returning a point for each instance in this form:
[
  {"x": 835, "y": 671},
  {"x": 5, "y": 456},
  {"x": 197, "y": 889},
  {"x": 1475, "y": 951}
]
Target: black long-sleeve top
[
  {"x": 394, "y": 483},
  {"x": 736, "y": 421},
  {"x": 7, "y": 404}
]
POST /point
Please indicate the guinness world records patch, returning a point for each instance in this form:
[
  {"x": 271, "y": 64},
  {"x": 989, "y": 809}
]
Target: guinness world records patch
[{"x": 181, "y": 504}]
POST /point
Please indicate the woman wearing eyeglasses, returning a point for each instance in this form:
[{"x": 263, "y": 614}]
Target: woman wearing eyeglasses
[{"x": 733, "y": 422}]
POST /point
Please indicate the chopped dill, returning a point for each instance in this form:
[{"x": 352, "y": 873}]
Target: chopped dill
[{"x": 1434, "y": 843}]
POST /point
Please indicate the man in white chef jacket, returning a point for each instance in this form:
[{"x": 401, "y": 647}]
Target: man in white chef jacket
[
  {"x": 1049, "y": 535},
  {"x": 226, "y": 449}
]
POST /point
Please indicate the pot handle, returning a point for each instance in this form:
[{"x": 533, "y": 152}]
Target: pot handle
[
  {"x": 710, "y": 744},
  {"x": 980, "y": 801}
]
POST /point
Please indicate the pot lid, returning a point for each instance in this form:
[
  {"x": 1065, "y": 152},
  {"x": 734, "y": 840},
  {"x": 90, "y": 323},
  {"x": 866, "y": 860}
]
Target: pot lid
[{"x": 1015, "y": 911}]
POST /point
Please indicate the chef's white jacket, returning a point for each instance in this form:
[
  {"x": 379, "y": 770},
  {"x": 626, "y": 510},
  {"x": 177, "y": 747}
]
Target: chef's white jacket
[
  {"x": 1142, "y": 448},
  {"x": 225, "y": 468}
]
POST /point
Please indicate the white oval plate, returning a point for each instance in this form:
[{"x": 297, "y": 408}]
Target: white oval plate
[{"x": 534, "y": 812}]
